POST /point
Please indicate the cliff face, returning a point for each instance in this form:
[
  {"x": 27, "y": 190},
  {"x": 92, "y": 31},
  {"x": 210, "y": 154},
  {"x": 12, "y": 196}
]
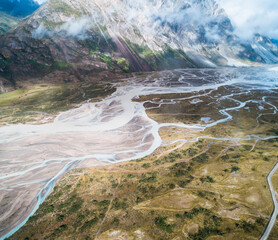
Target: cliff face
[{"x": 125, "y": 35}]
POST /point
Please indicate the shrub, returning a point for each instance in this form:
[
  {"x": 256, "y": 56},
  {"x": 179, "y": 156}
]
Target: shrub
[
  {"x": 116, "y": 221},
  {"x": 201, "y": 158},
  {"x": 201, "y": 194},
  {"x": 266, "y": 159},
  {"x": 61, "y": 228},
  {"x": 260, "y": 221},
  {"x": 76, "y": 206},
  {"x": 146, "y": 165},
  {"x": 171, "y": 186},
  {"x": 183, "y": 184},
  {"x": 123, "y": 64},
  {"x": 90, "y": 223},
  {"x": 60, "y": 218},
  {"x": 235, "y": 169},
  {"x": 207, "y": 179},
  {"x": 161, "y": 224},
  {"x": 247, "y": 227},
  {"x": 49, "y": 209},
  {"x": 225, "y": 157},
  {"x": 130, "y": 176}
]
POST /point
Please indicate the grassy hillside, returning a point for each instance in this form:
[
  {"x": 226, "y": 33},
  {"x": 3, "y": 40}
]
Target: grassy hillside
[
  {"x": 42, "y": 102},
  {"x": 7, "y": 22}
]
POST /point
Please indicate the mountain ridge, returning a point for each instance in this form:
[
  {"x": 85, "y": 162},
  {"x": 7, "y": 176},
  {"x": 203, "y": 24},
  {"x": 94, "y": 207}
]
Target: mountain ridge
[{"x": 124, "y": 36}]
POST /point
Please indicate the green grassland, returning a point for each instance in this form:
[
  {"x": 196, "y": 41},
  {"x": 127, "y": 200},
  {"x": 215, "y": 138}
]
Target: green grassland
[{"x": 43, "y": 101}]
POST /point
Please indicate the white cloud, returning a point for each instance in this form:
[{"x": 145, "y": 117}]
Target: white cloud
[
  {"x": 253, "y": 16},
  {"x": 40, "y": 1},
  {"x": 73, "y": 27},
  {"x": 41, "y": 32},
  {"x": 248, "y": 17},
  {"x": 76, "y": 27}
]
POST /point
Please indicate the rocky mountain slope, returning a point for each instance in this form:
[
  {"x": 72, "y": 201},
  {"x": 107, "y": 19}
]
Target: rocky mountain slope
[{"x": 123, "y": 36}]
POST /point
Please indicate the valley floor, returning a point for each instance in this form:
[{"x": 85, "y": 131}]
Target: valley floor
[{"x": 203, "y": 177}]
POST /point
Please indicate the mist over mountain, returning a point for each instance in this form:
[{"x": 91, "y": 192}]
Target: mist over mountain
[
  {"x": 250, "y": 17},
  {"x": 128, "y": 36}
]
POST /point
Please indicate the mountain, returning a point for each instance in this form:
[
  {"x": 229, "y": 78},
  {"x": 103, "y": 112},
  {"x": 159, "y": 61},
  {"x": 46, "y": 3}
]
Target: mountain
[
  {"x": 7, "y": 22},
  {"x": 19, "y": 8},
  {"x": 124, "y": 35},
  {"x": 266, "y": 48},
  {"x": 275, "y": 41}
]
